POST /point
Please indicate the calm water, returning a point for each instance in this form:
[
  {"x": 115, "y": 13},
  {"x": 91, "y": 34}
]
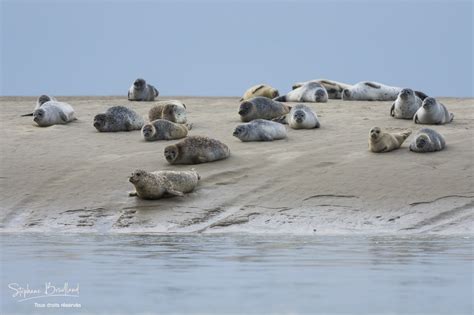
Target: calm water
[{"x": 224, "y": 274}]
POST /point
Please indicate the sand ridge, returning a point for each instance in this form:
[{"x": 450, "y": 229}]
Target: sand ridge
[{"x": 70, "y": 178}]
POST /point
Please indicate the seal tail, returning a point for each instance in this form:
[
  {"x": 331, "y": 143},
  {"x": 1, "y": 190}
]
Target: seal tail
[
  {"x": 25, "y": 115},
  {"x": 401, "y": 137},
  {"x": 421, "y": 95}
]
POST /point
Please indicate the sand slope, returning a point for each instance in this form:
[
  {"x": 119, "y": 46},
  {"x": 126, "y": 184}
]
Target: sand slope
[{"x": 72, "y": 178}]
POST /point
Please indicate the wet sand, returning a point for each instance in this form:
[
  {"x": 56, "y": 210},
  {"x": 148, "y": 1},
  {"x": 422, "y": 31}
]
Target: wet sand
[{"x": 70, "y": 178}]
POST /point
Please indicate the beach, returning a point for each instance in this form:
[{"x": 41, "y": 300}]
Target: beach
[{"x": 71, "y": 178}]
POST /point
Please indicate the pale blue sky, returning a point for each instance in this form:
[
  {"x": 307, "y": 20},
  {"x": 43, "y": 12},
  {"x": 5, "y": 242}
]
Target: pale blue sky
[{"x": 222, "y": 48}]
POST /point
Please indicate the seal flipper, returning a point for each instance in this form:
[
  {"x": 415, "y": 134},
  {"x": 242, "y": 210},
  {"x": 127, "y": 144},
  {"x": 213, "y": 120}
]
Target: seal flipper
[
  {"x": 280, "y": 98},
  {"x": 63, "y": 117},
  {"x": 157, "y": 93},
  {"x": 392, "y": 110},
  {"x": 25, "y": 115},
  {"x": 129, "y": 96},
  {"x": 189, "y": 126},
  {"x": 415, "y": 119},
  {"x": 317, "y": 124},
  {"x": 372, "y": 85},
  {"x": 133, "y": 194},
  {"x": 173, "y": 192},
  {"x": 282, "y": 119},
  {"x": 421, "y": 95},
  {"x": 261, "y": 86}
]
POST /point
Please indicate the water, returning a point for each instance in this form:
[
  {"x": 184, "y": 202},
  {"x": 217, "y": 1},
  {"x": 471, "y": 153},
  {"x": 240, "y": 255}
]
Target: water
[{"x": 222, "y": 274}]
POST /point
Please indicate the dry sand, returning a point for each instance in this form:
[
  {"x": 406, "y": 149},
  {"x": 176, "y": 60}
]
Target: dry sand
[{"x": 71, "y": 178}]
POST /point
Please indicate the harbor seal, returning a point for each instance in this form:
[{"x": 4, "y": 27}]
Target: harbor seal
[
  {"x": 260, "y": 130},
  {"x": 53, "y": 113},
  {"x": 162, "y": 129},
  {"x": 406, "y": 104},
  {"x": 195, "y": 150},
  {"x": 40, "y": 101},
  {"x": 159, "y": 184},
  {"x": 308, "y": 92},
  {"x": 333, "y": 88},
  {"x": 380, "y": 141},
  {"x": 172, "y": 110},
  {"x": 118, "y": 118},
  {"x": 300, "y": 117},
  {"x": 427, "y": 140},
  {"x": 432, "y": 112},
  {"x": 370, "y": 91},
  {"x": 263, "y": 90},
  {"x": 141, "y": 91},
  {"x": 261, "y": 108}
]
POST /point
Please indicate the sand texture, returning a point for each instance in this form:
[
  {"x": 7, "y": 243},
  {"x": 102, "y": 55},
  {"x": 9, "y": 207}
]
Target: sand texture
[{"x": 70, "y": 178}]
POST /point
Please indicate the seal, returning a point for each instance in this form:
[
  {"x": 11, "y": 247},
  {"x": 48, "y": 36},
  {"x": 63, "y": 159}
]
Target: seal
[
  {"x": 195, "y": 150},
  {"x": 162, "y": 129},
  {"x": 308, "y": 92},
  {"x": 380, "y": 141},
  {"x": 432, "y": 112},
  {"x": 406, "y": 104},
  {"x": 159, "y": 184},
  {"x": 300, "y": 117},
  {"x": 427, "y": 140},
  {"x": 333, "y": 88},
  {"x": 40, "y": 101},
  {"x": 262, "y": 108},
  {"x": 263, "y": 90},
  {"x": 172, "y": 110},
  {"x": 141, "y": 91},
  {"x": 260, "y": 130},
  {"x": 370, "y": 91},
  {"x": 118, "y": 118},
  {"x": 53, "y": 113}
]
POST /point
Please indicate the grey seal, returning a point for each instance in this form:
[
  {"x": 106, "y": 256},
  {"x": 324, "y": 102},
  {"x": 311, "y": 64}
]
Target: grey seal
[
  {"x": 142, "y": 91},
  {"x": 380, "y": 141},
  {"x": 162, "y": 129},
  {"x": 195, "y": 150},
  {"x": 308, "y": 92},
  {"x": 406, "y": 104},
  {"x": 333, "y": 88},
  {"x": 300, "y": 117},
  {"x": 260, "y": 130},
  {"x": 118, "y": 118},
  {"x": 261, "y": 108},
  {"x": 432, "y": 112},
  {"x": 263, "y": 90},
  {"x": 427, "y": 140},
  {"x": 159, "y": 184},
  {"x": 53, "y": 113}
]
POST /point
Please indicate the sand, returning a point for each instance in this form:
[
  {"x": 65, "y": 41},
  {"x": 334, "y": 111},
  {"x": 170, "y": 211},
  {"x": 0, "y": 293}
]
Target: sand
[{"x": 70, "y": 178}]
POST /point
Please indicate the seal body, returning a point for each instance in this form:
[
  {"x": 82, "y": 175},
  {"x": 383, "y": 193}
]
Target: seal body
[
  {"x": 53, "y": 113},
  {"x": 172, "y": 110},
  {"x": 427, "y": 140},
  {"x": 263, "y": 90},
  {"x": 260, "y": 130},
  {"x": 333, "y": 88},
  {"x": 371, "y": 91},
  {"x": 308, "y": 92},
  {"x": 195, "y": 150},
  {"x": 142, "y": 91},
  {"x": 118, "y": 118},
  {"x": 156, "y": 185},
  {"x": 161, "y": 129},
  {"x": 406, "y": 104},
  {"x": 380, "y": 141},
  {"x": 432, "y": 112},
  {"x": 261, "y": 108},
  {"x": 40, "y": 101},
  {"x": 300, "y": 117}
]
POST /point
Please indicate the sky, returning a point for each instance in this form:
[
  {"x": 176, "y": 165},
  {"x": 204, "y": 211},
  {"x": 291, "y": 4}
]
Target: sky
[{"x": 212, "y": 48}]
